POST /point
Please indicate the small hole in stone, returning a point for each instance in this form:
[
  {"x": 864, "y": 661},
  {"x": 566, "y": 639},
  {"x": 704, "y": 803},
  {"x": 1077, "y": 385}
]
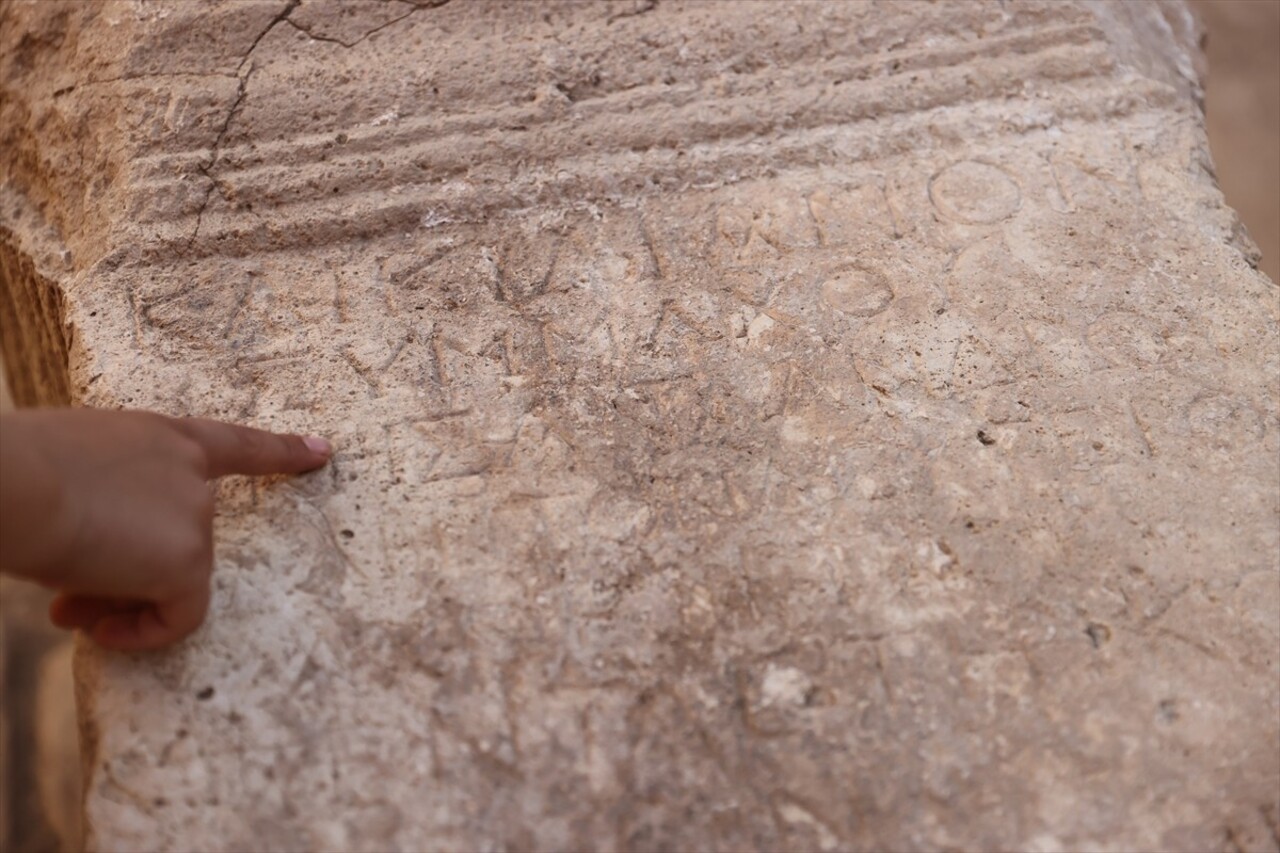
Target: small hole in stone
[
  {"x": 1099, "y": 634},
  {"x": 986, "y": 440},
  {"x": 347, "y": 534},
  {"x": 206, "y": 693}
]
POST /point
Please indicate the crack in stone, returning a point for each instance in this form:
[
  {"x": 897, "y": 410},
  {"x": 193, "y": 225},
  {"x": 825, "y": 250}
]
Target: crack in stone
[
  {"x": 282, "y": 15},
  {"x": 641, "y": 8},
  {"x": 127, "y": 78},
  {"x": 241, "y": 89},
  {"x": 206, "y": 169},
  {"x": 413, "y": 7}
]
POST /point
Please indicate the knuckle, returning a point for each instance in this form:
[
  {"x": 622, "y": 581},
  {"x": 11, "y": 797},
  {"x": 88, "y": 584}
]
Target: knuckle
[
  {"x": 205, "y": 506},
  {"x": 202, "y": 497},
  {"x": 194, "y": 501},
  {"x": 191, "y": 453},
  {"x": 196, "y": 550}
]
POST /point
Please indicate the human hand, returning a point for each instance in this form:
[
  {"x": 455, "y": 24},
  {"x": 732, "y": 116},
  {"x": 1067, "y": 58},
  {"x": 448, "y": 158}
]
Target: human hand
[{"x": 114, "y": 511}]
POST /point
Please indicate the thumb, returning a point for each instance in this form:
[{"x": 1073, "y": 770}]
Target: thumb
[{"x": 152, "y": 625}]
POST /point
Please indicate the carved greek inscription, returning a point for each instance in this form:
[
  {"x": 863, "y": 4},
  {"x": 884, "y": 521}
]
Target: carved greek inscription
[
  {"x": 749, "y": 233},
  {"x": 1126, "y": 339},
  {"x": 523, "y": 267},
  {"x": 853, "y": 216},
  {"x": 1224, "y": 422},
  {"x": 975, "y": 193},
  {"x": 1091, "y": 173},
  {"x": 857, "y": 292}
]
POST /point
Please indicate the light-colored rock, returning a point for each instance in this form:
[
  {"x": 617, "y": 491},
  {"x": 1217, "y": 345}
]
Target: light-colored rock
[
  {"x": 761, "y": 426},
  {"x": 56, "y": 750}
]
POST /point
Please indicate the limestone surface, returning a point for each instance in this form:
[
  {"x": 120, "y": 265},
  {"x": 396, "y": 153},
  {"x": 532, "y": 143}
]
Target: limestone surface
[{"x": 761, "y": 426}]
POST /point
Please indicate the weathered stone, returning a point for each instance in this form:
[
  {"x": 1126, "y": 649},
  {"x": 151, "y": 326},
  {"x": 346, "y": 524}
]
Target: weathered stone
[{"x": 776, "y": 427}]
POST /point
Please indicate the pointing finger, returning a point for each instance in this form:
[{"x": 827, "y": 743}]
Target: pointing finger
[{"x": 233, "y": 449}]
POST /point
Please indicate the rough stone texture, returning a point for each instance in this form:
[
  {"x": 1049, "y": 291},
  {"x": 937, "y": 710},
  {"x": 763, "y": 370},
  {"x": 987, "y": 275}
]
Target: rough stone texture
[{"x": 778, "y": 427}]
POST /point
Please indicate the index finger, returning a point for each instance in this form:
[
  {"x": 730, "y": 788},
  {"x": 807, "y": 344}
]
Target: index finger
[{"x": 234, "y": 449}]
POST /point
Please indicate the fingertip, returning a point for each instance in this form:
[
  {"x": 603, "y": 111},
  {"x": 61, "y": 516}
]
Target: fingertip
[
  {"x": 317, "y": 445},
  {"x": 315, "y": 452}
]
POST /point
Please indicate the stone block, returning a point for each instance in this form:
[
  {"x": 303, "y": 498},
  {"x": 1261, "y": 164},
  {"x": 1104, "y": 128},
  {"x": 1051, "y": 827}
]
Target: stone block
[{"x": 760, "y": 426}]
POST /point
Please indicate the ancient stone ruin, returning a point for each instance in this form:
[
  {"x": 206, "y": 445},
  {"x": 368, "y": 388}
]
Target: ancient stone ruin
[{"x": 761, "y": 426}]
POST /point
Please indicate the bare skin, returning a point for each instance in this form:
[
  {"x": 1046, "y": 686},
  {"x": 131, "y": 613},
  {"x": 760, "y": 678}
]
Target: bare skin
[{"x": 114, "y": 511}]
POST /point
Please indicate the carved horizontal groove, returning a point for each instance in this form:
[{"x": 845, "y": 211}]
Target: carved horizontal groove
[
  {"x": 612, "y": 144},
  {"x": 568, "y": 182},
  {"x": 900, "y": 67},
  {"x": 35, "y": 346}
]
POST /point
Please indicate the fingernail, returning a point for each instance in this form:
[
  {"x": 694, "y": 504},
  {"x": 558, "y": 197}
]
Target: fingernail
[{"x": 316, "y": 444}]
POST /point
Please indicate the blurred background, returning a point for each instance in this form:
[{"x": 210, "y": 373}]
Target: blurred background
[
  {"x": 1242, "y": 100},
  {"x": 39, "y": 766}
]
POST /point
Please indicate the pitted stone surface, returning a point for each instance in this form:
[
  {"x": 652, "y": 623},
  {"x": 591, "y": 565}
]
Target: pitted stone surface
[{"x": 808, "y": 426}]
